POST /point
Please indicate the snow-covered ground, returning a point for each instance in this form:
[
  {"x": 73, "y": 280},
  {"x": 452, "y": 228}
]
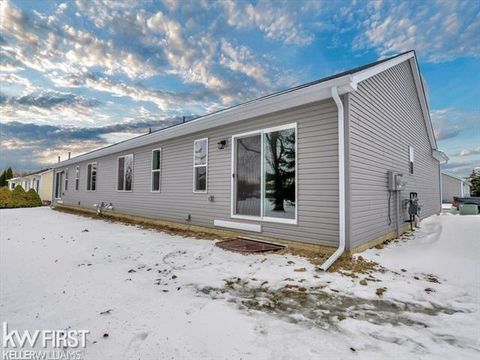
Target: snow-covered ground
[{"x": 160, "y": 296}]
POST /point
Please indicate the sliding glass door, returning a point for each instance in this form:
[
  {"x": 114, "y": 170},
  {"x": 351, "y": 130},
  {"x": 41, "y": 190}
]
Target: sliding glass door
[
  {"x": 248, "y": 175},
  {"x": 265, "y": 174}
]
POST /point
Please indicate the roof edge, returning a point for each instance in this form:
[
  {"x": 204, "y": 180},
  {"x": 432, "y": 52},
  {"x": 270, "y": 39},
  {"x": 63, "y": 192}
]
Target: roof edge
[{"x": 301, "y": 95}]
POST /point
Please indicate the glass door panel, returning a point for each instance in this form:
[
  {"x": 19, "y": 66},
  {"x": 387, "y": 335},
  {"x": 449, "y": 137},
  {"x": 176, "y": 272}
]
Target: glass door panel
[{"x": 248, "y": 175}]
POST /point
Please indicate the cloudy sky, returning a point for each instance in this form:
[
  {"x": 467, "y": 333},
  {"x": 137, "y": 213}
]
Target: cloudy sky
[{"x": 77, "y": 75}]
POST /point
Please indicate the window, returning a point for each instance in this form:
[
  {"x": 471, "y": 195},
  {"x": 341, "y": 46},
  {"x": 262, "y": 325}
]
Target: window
[
  {"x": 411, "y": 158},
  {"x": 200, "y": 163},
  {"x": 92, "y": 176},
  {"x": 66, "y": 179},
  {"x": 125, "y": 173},
  {"x": 156, "y": 166},
  {"x": 264, "y": 175},
  {"x": 77, "y": 177}
]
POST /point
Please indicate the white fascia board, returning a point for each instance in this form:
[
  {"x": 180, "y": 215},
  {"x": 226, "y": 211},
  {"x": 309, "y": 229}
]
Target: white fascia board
[
  {"x": 260, "y": 107},
  {"x": 440, "y": 156},
  {"x": 423, "y": 102},
  {"x": 377, "y": 69}
]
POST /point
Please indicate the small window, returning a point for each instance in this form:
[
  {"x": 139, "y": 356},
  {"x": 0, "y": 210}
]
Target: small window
[
  {"x": 125, "y": 173},
  {"x": 156, "y": 168},
  {"x": 411, "y": 158},
  {"x": 200, "y": 163},
  {"x": 77, "y": 177},
  {"x": 66, "y": 179},
  {"x": 92, "y": 176}
]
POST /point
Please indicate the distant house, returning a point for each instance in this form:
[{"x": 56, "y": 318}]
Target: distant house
[
  {"x": 454, "y": 186},
  {"x": 309, "y": 164},
  {"x": 41, "y": 181}
]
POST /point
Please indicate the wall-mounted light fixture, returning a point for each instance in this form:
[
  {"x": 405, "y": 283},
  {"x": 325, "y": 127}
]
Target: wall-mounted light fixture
[{"x": 222, "y": 144}]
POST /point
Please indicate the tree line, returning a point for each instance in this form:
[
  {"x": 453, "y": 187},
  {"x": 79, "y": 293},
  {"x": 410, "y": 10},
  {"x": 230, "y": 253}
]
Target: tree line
[{"x": 6, "y": 175}]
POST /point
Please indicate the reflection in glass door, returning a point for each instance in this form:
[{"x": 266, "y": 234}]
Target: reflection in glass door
[{"x": 248, "y": 175}]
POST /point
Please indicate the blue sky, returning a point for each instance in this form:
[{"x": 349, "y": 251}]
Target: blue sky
[{"x": 77, "y": 75}]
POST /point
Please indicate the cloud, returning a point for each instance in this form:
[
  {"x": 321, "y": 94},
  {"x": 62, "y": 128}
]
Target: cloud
[
  {"x": 450, "y": 122},
  {"x": 469, "y": 152},
  {"x": 48, "y": 107},
  {"x": 277, "y": 21},
  {"x": 30, "y": 146},
  {"x": 438, "y": 30},
  {"x": 461, "y": 168},
  {"x": 242, "y": 60}
]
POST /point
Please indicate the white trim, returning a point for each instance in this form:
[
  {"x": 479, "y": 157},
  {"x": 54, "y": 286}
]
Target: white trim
[
  {"x": 77, "y": 177},
  {"x": 341, "y": 185},
  {"x": 440, "y": 156},
  {"x": 55, "y": 180},
  {"x": 238, "y": 225},
  {"x": 202, "y": 165},
  {"x": 96, "y": 176},
  {"x": 156, "y": 170},
  {"x": 423, "y": 102},
  {"x": 66, "y": 180},
  {"x": 263, "y": 218},
  {"x": 375, "y": 70},
  {"x": 124, "y": 171}
]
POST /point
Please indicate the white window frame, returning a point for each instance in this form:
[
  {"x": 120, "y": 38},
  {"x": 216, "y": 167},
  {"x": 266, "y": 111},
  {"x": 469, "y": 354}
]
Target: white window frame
[
  {"x": 77, "y": 177},
  {"x": 156, "y": 170},
  {"x": 96, "y": 177},
  {"x": 124, "y": 169},
  {"x": 262, "y": 182},
  {"x": 65, "y": 181},
  {"x": 203, "y": 165}
]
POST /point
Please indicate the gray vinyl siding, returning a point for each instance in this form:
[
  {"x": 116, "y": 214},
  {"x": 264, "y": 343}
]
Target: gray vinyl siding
[
  {"x": 317, "y": 151},
  {"x": 452, "y": 187},
  {"x": 385, "y": 118}
]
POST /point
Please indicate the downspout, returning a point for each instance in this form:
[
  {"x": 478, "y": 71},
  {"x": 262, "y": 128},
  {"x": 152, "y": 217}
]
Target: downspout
[{"x": 341, "y": 182}]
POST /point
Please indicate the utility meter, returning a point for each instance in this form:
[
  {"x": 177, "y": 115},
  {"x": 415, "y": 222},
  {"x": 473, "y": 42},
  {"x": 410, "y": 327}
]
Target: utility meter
[{"x": 395, "y": 181}]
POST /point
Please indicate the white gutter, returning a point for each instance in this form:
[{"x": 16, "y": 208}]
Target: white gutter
[{"x": 341, "y": 184}]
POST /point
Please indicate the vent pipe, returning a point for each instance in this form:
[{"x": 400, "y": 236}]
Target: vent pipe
[
  {"x": 58, "y": 158},
  {"x": 69, "y": 154}
]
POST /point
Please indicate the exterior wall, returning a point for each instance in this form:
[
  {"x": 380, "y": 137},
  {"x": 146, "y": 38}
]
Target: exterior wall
[
  {"x": 46, "y": 183},
  {"x": 385, "y": 118},
  {"x": 317, "y": 177},
  {"x": 451, "y": 187}
]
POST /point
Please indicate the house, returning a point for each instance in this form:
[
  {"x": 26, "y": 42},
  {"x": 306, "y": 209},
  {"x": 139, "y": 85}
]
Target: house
[
  {"x": 41, "y": 181},
  {"x": 309, "y": 165},
  {"x": 454, "y": 186}
]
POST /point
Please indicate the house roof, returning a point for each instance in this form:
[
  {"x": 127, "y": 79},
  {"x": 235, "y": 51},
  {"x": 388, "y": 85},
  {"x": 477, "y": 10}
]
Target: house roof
[
  {"x": 457, "y": 178},
  {"x": 38, "y": 172},
  {"x": 314, "y": 91}
]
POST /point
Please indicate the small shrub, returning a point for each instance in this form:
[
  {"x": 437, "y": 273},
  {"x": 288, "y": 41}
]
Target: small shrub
[
  {"x": 19, "y": 198},
  {"x": 32, "y": 199},
  {"x": 5, "y": 198}
]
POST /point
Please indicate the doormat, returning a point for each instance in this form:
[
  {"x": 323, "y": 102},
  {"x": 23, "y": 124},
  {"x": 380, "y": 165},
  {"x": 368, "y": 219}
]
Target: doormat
[{"x": 248, "y": 246}]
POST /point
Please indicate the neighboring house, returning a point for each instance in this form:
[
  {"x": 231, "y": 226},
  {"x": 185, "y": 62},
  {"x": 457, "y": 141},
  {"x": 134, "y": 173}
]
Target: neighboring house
[
  {"x": 41, "y": 181},
  {"x": 454, "y": 186},
  {"x": 308, "y": 164}
]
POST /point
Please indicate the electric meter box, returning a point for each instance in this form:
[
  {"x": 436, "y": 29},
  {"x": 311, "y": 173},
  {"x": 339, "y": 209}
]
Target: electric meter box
[{"x": 395, "y": 181}]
